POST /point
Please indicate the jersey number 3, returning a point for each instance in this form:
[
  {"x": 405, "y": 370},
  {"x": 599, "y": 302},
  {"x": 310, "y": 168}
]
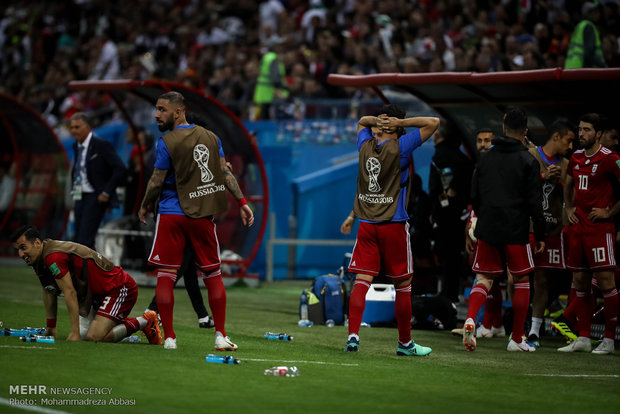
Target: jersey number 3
[{"x": 104, "y": 303}]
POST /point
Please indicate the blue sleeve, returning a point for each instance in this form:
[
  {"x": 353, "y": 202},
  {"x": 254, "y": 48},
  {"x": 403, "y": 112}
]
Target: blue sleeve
[
  {"x": 163, "y": 161},
  {"x": 409, "y": 142},
  {"x": 364, "y": 135},
  {"x": 219, "y": 143}
]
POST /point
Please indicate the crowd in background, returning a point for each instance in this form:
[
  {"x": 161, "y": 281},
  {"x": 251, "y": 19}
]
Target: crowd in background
[{"x": 217, "y": 46}]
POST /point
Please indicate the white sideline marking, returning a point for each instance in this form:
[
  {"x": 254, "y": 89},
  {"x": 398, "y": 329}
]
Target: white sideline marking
[
  {"x": 575, "y": 375},
  {"x": 301, "y": 362},
  {"x": 26, "y": 347},
  {"x": 34, "y": 408}
]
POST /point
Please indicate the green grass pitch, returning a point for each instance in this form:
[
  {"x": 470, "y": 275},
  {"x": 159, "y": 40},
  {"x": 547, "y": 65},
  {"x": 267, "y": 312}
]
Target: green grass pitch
[{"x": 373, "y": 380}]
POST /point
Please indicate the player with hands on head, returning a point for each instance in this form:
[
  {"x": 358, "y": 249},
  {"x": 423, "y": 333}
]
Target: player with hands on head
[{"x": 383, "y": 241}]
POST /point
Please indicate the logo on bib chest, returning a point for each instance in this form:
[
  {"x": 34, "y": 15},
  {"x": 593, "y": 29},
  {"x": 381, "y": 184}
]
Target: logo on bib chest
[
  {"x": 373, "y": 166},
  {"x": 201, "y": 156}
]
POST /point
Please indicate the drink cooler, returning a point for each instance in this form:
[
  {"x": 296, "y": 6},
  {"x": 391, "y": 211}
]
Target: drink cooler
[{"x": 379, "y": 303}]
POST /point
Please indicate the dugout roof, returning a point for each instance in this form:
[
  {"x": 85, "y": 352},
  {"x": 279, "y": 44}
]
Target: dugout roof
[{"x": 474, "y": 100}]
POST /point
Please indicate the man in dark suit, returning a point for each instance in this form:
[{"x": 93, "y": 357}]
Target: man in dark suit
[{"x": 97, "y": 171}]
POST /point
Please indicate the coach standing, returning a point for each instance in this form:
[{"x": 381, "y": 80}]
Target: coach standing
[{"x": 96, "y": 173}]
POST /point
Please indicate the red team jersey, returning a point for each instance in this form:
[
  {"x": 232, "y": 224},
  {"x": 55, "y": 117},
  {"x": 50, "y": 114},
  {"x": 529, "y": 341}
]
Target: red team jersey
[
  {"x": 593, "y": 178},
  {"x": 100, "y": 282}
]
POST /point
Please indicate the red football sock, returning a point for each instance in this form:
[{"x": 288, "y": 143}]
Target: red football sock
[
  {"x": 570, "y": 312},
  {"x": 217, "y": 299},
  {"x": 477, "y": 298},
  {"x": 402, "y": 308},
  {"x": 493, "y": 307},
  {"x": 520, "y": 305},
  {"x": 164, "y": 294},
  {"x": 584, "y": 312},
  {"x": 132, "y": 325},
  {"x": 357, "y": 303},
  {"x": 571, "y": 293},
  {"x": 611, "y": 305}
]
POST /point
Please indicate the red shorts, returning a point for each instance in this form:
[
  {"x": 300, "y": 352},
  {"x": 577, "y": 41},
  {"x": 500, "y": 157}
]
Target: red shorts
[
  {"x": 590, "y": 251},
  {"x": 553, "y": 255},
  {"x": 383, "y": 246},
  {"x": 489, "y": 259},
  {"x": 173, "y": 231},
  {"x": 119, "y": 302}
]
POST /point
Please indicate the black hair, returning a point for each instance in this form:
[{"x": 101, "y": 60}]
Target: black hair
[
  {"x": 30, "y": 232},
  {"x": 515, "y": 119},
  {"x": 173, "y": 97},
  {"x": 484, "y": 131},
  {"x": 561, "y": 126},
  {"x": 594, "y": 119},
  {"x": 393, "y": 111}
]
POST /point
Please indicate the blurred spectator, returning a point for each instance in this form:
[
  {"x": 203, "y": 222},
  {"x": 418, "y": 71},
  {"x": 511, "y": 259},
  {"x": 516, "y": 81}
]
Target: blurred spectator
[
  {"x": 190, "y": 42},
  {"x": 271, "y": 12},
  {"x": 611, "y": 51},
  {"x": 271, "y": 83},
  {"x": 107, "y": 66},
  {"x": 585, "y": 50}
]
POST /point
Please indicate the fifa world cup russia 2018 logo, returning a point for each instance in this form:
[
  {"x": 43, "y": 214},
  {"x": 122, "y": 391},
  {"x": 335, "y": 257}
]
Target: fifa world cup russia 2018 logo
[
  {"x": 373, "y": 166},
  {"x": 547, "y": 190},
  {"x": 201, "y": 156}
]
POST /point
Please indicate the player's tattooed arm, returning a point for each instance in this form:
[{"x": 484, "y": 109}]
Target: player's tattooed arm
[
  {"x": 153, "y": 189},
  {"x": 229, "y": 180}
]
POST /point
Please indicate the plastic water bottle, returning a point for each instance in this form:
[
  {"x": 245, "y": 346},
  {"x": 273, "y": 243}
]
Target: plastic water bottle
[
  {"x": 222, "y": 359},
  {"x": 330, "y": 323},
  {"x": 133, "y": 339},
  {"x": 38, "y": 338},
  {"x": 303, "y": 305},
  {"x": 282, "y": 371},
  {"x": 305, "y": 323},
  {"x": 22, "y": 332},
  {"x": 280, "y": 336}
]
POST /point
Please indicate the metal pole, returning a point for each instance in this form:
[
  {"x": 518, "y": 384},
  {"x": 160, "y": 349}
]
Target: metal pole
[
  {"x": 291, "y": 259},
  {"x": 272, "y": 234}
]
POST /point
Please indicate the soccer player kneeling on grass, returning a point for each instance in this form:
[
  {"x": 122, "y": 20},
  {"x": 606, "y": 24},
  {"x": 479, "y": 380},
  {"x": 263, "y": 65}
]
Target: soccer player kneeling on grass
[{"x": 84, "y": 276}]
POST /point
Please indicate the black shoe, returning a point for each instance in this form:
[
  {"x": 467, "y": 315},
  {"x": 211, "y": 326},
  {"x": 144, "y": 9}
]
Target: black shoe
[
  {"x": 533, "y": 341},
  {"x": 208, "y": 324}
]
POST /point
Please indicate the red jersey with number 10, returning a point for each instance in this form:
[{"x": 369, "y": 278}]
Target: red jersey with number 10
[{"x": 593, "y": 177}]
